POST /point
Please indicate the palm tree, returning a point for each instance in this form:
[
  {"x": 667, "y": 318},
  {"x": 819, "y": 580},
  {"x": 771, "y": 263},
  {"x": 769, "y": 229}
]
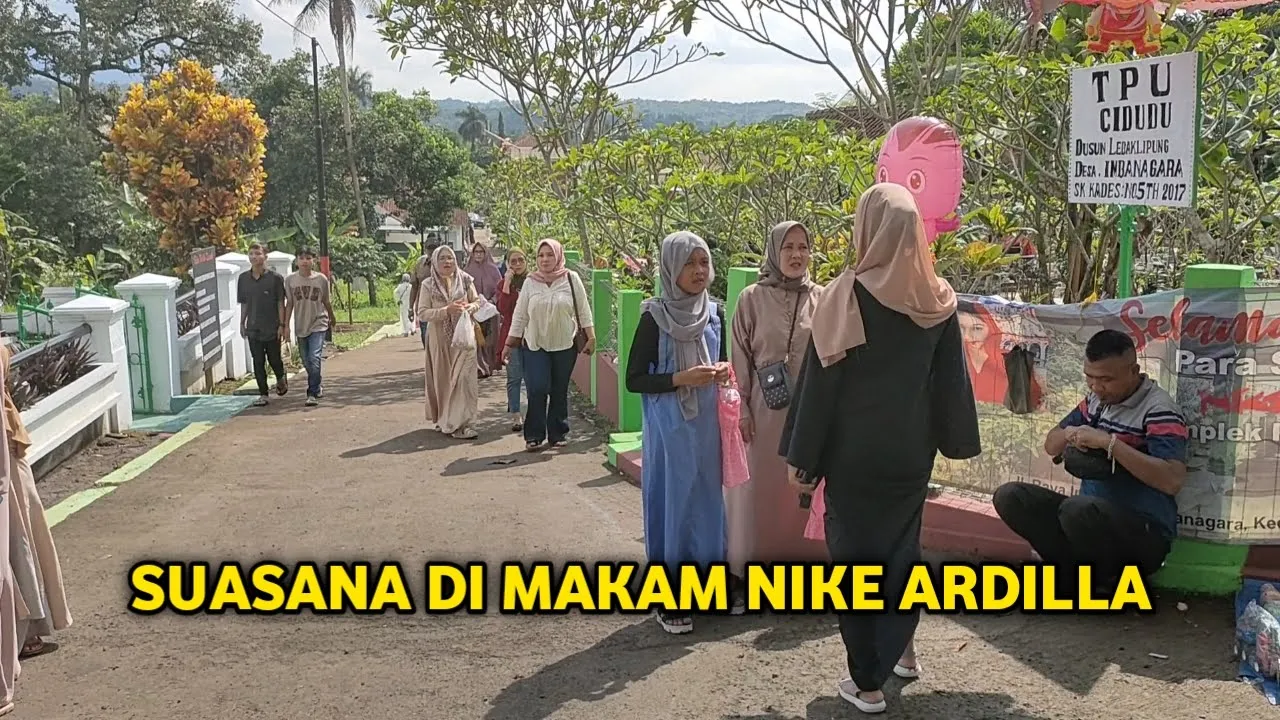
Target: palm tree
[
  {"x": 361, "y": 84},
  {"x": 342, "y": 24},
  {"x": 474, "y": 124}
]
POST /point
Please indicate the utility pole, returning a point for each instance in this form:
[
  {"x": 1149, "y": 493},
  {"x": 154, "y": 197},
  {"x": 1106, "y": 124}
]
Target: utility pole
[{"x": 321, "y": 218}]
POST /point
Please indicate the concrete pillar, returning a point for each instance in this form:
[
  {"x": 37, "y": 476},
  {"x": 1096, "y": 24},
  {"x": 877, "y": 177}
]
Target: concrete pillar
[
  {"x": 1204, "y": 566},
  {"x": 158, "y": 295},
  {"x": 234, "y": 348},
  {"x": 241, "y": 263},
  {"x": 59, "y": 295},
  {"x": 740, "y": 278},
  {"x": 105, "y": 318}
]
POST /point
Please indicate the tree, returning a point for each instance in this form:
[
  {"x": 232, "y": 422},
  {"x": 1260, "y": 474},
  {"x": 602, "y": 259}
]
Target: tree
[
  {"x": 415, "y": 165},
  {"x": 559, "y": 64},
  {"x": 474, "y": 125},
  {"x": 856, "y": 40},
  {"x": 342, "y": 24},
  {"x": 134, "y": 37},
  {"x": 194, "y": 152},
  {"x": 358, "y": 257}
]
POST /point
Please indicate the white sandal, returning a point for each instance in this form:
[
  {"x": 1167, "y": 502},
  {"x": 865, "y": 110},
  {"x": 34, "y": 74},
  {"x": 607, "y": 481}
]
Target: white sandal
[
  {"x": 850, "y": 692},
  {"x": 907, "y": 673},
  {"x": 675, "y": 624}
]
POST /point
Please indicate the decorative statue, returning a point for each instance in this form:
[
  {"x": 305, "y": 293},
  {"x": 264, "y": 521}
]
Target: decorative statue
[
  {"x": 1129, "y": 23},
  {"x": 923, "y": 155}
]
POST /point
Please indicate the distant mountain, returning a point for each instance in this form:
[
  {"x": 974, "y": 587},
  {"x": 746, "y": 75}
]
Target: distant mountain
[{"x": 703, "y": 114}]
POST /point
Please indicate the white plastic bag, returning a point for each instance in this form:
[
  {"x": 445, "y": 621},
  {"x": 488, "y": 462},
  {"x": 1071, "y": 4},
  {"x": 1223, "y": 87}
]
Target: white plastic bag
[{"x": 464, "y": 333}]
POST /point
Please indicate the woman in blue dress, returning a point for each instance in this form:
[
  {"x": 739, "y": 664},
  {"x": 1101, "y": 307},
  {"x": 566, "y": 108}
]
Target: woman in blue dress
[{"x": 677, "y": 359}]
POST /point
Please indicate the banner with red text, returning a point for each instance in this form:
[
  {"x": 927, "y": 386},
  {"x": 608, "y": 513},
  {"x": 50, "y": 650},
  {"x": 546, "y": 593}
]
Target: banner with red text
[{"x": 1217, "y": 352}]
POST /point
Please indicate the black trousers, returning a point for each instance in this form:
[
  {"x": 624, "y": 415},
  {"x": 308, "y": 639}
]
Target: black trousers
[
  {"x": 263, "y": 352},
  {"x": 1069, "y": 532}
]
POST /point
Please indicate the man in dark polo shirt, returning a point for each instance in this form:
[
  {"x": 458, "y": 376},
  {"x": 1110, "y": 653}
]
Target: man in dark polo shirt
[
  {"x": 1130, "y": 515},
  {"x": 260, "y": 293}
]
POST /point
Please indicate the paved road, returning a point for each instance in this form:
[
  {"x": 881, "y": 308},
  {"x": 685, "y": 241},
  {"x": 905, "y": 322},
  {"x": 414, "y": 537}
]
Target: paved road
[{"x": 360, "y": 478}]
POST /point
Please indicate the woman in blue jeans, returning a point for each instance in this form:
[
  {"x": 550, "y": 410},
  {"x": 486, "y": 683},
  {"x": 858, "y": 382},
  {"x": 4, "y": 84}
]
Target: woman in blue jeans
[{"x": 551, "y": 310}]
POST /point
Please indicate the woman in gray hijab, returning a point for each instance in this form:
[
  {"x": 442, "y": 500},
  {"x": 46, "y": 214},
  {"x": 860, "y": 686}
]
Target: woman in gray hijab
[
  {"x": 678, "y": 357},
  {"x": 770, "y": 334}
]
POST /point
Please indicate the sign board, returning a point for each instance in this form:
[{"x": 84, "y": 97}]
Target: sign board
[
  {"x": 1135, "y": 130},
  {"x": 204, "y": 270}
]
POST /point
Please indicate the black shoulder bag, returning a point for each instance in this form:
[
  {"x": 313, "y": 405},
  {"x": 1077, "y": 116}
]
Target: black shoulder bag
[
  {"x": 774, "y": 378},
  {"x": 1093, "y": 464}
]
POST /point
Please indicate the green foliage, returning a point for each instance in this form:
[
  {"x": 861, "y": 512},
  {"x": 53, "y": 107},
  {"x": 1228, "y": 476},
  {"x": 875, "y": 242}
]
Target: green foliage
[
  {"x": 24, "y": 258},
  {"x": 416, "y": 166},
  {"x": 70, "y": 43}
]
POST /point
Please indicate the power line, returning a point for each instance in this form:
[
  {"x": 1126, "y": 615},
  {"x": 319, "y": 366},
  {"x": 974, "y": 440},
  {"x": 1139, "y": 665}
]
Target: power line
[{"x": 296, "y": 29}]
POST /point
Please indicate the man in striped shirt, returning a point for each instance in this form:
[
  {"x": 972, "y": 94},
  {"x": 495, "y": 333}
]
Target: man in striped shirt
[{"x": 1129, "y": 518}]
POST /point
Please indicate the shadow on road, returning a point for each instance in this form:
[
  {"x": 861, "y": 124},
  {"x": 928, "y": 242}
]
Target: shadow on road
[
  {"x": 1074, "y": 651},
  {"x": 636, "y": 651},
  {"x": 925, "y": 706}
]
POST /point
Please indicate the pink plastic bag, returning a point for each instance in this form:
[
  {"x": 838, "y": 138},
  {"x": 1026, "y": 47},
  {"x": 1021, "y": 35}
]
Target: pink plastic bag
[
  {"x": 733, "y": 452},
  {"x": 816, "y": 528}
]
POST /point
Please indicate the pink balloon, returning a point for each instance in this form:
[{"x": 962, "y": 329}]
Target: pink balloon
[{"x": 923, "y": 155}]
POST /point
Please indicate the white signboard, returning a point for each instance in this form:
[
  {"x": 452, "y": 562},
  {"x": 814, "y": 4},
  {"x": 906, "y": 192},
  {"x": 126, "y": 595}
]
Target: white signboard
[{"x": 1134, "y": 132}]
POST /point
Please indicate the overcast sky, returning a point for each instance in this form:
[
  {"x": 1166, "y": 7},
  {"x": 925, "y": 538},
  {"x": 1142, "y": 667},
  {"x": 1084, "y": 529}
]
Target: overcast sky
[{"x": 747, "y": 71}]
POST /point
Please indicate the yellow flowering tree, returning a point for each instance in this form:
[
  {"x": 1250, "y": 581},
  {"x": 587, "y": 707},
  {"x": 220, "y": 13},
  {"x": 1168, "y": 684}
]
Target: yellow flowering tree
[{"x": 195, "y": 153}]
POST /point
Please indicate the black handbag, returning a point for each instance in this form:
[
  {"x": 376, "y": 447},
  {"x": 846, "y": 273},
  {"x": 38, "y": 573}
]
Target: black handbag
[
  {"x": 774, "y": 379},
  {"x": 1093, "y": 464}
]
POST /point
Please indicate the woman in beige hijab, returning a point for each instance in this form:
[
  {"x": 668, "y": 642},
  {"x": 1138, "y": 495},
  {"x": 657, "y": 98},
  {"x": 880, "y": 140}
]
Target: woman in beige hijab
[
  {"x": 447, "y": 299},
  {"x": 9, "y": 642},
  {"x": 32, "y": 553},
  {"x": 770, "y": 332},
  {"x": 884, "y": 388}
]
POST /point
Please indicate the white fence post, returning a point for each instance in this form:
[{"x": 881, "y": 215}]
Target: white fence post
[
  {"x": 241, "y": 263},
  {"x": 105, "y": 317},
  {"x": 234, "y": 347},
  {"x": 59, "y": 295},
  {"x": 158, "y": 295}
]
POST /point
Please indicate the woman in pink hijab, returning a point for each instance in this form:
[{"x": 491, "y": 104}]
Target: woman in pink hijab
[{"x": 883, "y": 389}]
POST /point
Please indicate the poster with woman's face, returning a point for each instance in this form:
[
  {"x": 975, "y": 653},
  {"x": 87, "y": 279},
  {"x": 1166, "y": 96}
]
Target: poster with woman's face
[{"x": 988, "y": 337}]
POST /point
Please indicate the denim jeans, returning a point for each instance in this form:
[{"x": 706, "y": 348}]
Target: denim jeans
[
  {"x": 515, "y": 377},
  {"x": 310, "y": 347},
  {"x": 546, "y": 378}
]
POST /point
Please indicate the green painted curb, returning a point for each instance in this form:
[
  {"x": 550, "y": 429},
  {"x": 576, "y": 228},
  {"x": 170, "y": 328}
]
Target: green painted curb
[
  {"x": 620, "y": 448},
  {"x": 106, "y": 485},
  {"x": 1196, "y": 566},
  {"x": 625, "y": 437}
]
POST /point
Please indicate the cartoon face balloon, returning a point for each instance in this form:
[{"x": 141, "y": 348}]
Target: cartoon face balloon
[{"x": 923, "y": 155}]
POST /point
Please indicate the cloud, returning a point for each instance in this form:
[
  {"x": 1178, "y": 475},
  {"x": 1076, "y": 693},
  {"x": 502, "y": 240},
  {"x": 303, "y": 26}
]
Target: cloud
[{"x": 747, "y": 71}]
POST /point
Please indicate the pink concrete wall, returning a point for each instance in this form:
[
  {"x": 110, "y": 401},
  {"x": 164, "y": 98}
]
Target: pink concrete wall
[{"x": 607, "y": 389}]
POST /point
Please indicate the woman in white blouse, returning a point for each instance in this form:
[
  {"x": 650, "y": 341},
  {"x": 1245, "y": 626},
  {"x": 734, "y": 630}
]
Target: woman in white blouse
[{"x": 551, "y": 326}]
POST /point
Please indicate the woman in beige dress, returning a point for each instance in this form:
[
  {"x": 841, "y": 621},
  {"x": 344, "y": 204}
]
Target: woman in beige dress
[
  {"x": 770, "y": 326},
  {"x": 448, "y": 297},
  {"x": 31, "y": 550},
  {"x": 9, "y": 603}
]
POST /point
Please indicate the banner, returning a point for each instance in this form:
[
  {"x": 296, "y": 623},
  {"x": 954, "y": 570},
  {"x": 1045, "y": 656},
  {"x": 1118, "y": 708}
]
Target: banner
[{"x": 1217, "y": 352}]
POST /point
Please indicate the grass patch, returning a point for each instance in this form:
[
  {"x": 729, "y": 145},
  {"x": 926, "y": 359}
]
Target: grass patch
[{"x": 348, "y": 337}]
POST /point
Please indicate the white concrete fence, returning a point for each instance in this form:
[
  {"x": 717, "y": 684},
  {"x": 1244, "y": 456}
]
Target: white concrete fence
[{"x": 103, "y": 399}]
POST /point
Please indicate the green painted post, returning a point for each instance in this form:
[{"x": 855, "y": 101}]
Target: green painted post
[
  {"x": 601, "y": 312},
  {"x": 572, "y": 257},
  {"x": 630, "y": 417},
  {"x": 740, "y": 278},
  {"x": 1204, "y": 566}
]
